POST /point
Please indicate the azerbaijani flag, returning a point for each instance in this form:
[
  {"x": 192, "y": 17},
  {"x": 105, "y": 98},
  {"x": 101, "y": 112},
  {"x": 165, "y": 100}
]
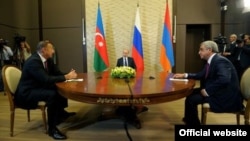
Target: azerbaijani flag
[
  {"x": 101, "y": 61},
  {"x": 137, "y": 52},
  {"x": 166, "y": 53}
]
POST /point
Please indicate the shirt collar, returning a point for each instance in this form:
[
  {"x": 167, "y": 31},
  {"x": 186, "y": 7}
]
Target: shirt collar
[
  {"x": 42, "y": 58},
  {"x": 210, "y": 58}
]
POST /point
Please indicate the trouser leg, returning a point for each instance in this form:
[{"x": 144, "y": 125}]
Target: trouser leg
[
  {"x": 55, "y": 104},
  {"x": 191, "y": 109}
]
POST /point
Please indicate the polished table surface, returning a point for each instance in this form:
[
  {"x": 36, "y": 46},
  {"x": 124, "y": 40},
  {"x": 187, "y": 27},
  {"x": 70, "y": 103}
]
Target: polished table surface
[{"x": 101, "y": 88}]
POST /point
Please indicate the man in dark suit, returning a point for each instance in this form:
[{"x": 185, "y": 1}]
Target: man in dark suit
[
  {"x": 125, "y": 60},
  {"x": 219, "y": 85},
  {"x": 230, "y": 50},
  {"x": 242, "y": 57},
  {"x": 127, "y": 112},
  {"x": 37, "y": 83}
]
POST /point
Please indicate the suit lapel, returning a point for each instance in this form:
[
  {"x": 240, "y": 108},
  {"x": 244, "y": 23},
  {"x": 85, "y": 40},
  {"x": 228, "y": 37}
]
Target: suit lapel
[{"x": 211, "y": 65}]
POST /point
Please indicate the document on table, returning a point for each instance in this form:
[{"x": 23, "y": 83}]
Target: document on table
[
  {"x": 75, "y": 80},
  {"x": 175, "y": 79}
]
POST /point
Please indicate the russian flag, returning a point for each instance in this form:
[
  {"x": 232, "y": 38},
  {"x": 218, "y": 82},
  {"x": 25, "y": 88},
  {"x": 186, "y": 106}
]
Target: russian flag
[
  {"x": 166, "y": 53},
  {"x": 137, "y": 52}
]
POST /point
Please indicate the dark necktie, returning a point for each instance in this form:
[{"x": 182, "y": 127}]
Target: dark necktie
[
  {"x": 207, "y": 69},
  {"x": 46, "y": 65}
]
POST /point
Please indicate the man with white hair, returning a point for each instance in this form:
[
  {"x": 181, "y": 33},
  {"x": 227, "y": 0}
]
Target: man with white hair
[
  {"x": 229, "y": 52},
  {"x": 219, "y": 85}
]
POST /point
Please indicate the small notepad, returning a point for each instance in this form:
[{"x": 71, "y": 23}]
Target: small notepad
[
  {"x": 75, "y": 80},
  {"x": 174, "y": 79}
]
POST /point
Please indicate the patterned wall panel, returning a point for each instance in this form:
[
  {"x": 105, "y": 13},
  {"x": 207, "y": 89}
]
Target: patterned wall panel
[{"x": 118, "y": 20}]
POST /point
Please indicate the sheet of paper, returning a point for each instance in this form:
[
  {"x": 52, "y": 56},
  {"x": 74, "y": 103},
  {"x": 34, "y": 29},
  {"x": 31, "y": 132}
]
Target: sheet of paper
[
  {"x": 174, "y": 79},
  {"x": 75, "y": 80}
]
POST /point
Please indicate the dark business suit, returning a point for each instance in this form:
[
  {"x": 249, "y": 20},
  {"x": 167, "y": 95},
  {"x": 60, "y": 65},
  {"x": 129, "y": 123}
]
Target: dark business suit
[
  {"x": 131, "y": 62},
  {"x": 38, "y": 84},
  {"x": 221, "y": 85},
  {"x": 232, "y": 51},
  {"x": 243, "y": 62}
]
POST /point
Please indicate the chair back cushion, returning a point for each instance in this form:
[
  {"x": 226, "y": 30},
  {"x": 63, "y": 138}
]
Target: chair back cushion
[
  {"x": 12, "y": 75},
  {"x": 245, "y": 84}
]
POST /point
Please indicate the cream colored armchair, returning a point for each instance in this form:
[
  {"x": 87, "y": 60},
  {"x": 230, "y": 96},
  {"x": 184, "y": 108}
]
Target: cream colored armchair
[
  {"x": 11, "y": 76},
  {"x": 245, "y": 90}
]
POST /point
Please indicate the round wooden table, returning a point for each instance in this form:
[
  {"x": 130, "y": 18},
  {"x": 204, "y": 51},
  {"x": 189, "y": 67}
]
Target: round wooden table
[
  {"x": 144, "y": 89},
  {"x": 126, "y": 94}
]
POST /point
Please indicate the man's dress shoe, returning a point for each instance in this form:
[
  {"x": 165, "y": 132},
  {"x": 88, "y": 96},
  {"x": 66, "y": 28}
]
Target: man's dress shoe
[
  {"x": 184, "y": 120},
  {"x": 136, "y": 122},
  {"x": 56, "y": 134},
  {"x": 191, "y": 123}
]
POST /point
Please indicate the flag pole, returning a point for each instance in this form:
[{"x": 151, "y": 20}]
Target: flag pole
[{"x": 101, "y": 61}]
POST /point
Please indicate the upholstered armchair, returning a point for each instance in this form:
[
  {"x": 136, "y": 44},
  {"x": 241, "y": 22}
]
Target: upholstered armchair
[
  {"x": 245, "y": 90},
  {"x": 11, "y": 76}
]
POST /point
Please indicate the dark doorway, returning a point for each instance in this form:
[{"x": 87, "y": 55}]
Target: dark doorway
[{"x": 195, "y": 34}]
